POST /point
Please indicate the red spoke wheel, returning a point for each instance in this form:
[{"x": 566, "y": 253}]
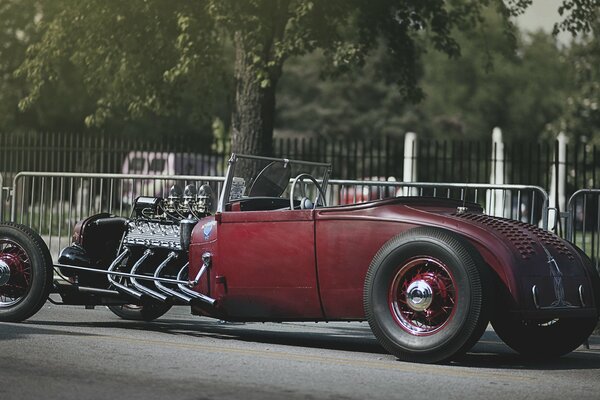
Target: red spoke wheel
[
  {"x": 427, "y": 295},
  {"x": 422, "y": 296},
  {"x": 25, "y": 272}
]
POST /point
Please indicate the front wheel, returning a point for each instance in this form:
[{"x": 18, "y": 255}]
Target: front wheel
[
  {"x": 25, "y": 272},
  {"x": 147, "y": 312},
  {"x": 426, "y": 295},
  {"x": 543, "y": 339}
]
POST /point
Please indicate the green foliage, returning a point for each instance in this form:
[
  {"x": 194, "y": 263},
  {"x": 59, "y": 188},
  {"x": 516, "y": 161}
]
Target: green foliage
[
  {"x": 62, "y": 104},
  {"x": 154, "y": 67},
  {"x": 154, "y": 64},
  {"x": 360, "y": 103},
  {"x": 579, "y": 16},
  {"x": 501, "y": 80},
  {"x": 494, "y": 84},
  {"x": 581, "y": 107}
]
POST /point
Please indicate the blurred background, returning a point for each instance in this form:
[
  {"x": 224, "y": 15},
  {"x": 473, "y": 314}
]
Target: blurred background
[{"x": 120, "y": 70}]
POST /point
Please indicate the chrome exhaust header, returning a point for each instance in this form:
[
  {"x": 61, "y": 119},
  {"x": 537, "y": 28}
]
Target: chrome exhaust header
[
  {"x": 183, "y": 291},
  {"x": 118, "y": 285},
  {"x": 140, "y": 287},
  {"x": 162, "y": 287}
]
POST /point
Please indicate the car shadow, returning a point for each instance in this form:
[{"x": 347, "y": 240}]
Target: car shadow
[
  {"x": 490, "y": 352},
  {"x": 15, "y": 331},
  {"x": 343, "y": 339}
]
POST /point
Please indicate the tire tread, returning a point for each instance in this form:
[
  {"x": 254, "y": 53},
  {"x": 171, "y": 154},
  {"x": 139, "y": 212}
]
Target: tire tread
[
  {"x": 479, "y": 299},
  {"x": 22, "y": 310}
]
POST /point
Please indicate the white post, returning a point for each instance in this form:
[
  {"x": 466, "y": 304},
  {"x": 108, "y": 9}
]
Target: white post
[
  {"x": 562, "y": 180},
  {"x": 494, "y": 199},
  {"x": 410, "y": 162}
]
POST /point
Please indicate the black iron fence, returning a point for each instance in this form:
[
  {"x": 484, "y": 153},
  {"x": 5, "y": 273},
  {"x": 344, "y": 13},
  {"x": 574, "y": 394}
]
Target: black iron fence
[{"x": 528, "y": 163}]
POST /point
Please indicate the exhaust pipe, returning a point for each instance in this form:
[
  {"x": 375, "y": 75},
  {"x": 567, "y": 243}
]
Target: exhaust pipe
[
  {"x": 140, "y": 287},
  {"x": 165, "y": 289},
  {"x": 119, "y": 286},
  {"x": 191, "y": 293}
]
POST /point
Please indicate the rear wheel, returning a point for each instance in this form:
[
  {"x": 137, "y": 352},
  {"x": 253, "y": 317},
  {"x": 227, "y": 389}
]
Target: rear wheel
[
  {"x": 426, "y": 295},
  {"x": 543, "y": 339},
  {"x": 147, "y": 312},
  {"x": 25, "y": 272}
]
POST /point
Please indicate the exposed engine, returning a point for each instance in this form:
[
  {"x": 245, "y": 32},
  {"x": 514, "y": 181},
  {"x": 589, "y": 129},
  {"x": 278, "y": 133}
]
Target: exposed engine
[
  {"x": 168, "y": 223},
  {"x": 150, "y": 262}
]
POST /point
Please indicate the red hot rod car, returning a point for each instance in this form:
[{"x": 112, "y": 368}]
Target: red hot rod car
[{"x": 428, "y": 274}]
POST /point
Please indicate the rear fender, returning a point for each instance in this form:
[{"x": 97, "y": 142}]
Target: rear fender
[{"x": 526, "y": 281}]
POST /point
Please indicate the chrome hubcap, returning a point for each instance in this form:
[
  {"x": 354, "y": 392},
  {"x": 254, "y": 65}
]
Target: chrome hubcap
[
  {"x": 422, "y": 296},
  {"x": 4, "y": 273},
  {"x": 419, "y": 295}
]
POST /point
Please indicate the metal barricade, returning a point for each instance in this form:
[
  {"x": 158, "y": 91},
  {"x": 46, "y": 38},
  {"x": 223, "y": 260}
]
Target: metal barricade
[
  {"x": 52, "y": 202},
  {"x": 4, "y": 200},
  {"x": 1, "y": 198},
  {"x": 583, "y": 222},
  {"x": 521, "y": 202}
]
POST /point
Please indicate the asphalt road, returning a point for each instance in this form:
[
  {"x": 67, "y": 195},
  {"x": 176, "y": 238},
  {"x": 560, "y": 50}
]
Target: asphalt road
[{"x": 72, "y": 353}]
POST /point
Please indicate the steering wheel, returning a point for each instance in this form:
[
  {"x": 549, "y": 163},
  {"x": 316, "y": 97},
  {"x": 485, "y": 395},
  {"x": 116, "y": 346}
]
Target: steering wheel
[
  {"x": 271, "y": 181},
  {"x": 301, "y": 178}
]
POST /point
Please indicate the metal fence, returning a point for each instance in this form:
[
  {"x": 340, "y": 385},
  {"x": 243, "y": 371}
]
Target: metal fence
[
  {"x": 525, "y": 163},
  {"x": 2, "y": 198},
  {"x": 583, "y": 222},
  {"x": 521, "y": 202},
  {"x": 5, "y": 191},
  {"x": 51, "y": 203}
]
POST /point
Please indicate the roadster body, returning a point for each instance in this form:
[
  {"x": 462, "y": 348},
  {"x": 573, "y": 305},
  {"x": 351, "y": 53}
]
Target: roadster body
[{"x": 428, "y": 274}]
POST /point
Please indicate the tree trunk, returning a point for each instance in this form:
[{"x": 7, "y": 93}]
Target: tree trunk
[{"x": 254, "y": 106}]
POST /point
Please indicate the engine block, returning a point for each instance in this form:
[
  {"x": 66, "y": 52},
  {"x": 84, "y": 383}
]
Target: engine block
[
  {"x": 157, "y": 222},
  {"x": 153, "y": 234}
]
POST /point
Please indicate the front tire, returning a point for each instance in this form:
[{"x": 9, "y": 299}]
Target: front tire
[
  {"x": 147, "y": 312},
  {"x": 426, "y": 295},
  {"x": 26, "y": 272}
]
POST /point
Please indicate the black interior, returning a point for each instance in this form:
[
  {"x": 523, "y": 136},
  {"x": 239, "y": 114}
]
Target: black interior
[{"x": 262, "y": 204}]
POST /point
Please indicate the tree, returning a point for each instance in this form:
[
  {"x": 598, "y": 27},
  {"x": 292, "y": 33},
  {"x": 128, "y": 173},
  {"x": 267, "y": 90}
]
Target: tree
[
  {"x": 267, "y": 32},
  {"x": 149, "y": 66},
  {"x": 516, "y": 87},
  {"x": 362, "y": 103},
  {"x": 112, "y": 42},
  {"x": 15, "y": 28},
  {"x": 496, "y": 82},
  {"x": 55, "y": 110},
  {"x": 581, "y": 107}
]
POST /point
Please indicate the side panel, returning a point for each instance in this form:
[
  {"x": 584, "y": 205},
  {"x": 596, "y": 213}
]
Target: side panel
[
  {"x": 266, "y": 265},
  {"x": 345, "y": 249}
]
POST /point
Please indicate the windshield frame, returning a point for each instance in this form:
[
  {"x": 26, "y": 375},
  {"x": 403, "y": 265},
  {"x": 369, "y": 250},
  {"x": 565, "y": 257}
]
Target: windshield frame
[{"x": 235, "y": 157}]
